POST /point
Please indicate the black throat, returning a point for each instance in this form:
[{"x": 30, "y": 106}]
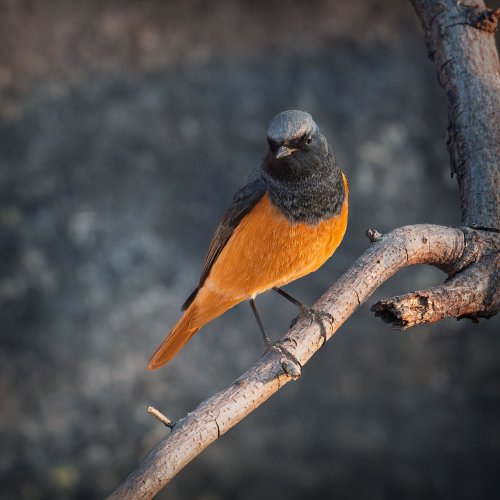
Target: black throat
[{"x": 309, "y": 195}]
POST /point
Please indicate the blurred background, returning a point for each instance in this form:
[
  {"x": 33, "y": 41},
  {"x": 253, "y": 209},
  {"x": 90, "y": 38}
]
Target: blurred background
[{"x": 125, "y": 128}]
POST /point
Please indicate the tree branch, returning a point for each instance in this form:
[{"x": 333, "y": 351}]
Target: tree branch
[
  {"x": 420, "y": 244},
  {"x": 472, "y": 294},
  {"x": 459, "y": 40}
]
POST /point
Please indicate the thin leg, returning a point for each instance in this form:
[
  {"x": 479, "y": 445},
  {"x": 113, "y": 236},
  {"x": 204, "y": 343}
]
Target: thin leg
[
  {"x": 272, "y": 346},
  {"x": 267, "y": 340},
  {"x": 287, "y": 296},
  {"x": 309, "y": 311}
]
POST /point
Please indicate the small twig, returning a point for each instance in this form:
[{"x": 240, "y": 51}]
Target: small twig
[
  {"x": 373, "y": 235},
  {"x": 162, "y": 418}
]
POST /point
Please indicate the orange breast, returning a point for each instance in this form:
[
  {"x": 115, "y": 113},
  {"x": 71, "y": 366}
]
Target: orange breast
[{"x": 267, "y": 250}]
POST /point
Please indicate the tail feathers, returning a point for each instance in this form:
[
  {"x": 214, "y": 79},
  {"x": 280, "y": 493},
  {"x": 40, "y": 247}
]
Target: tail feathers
[
  {"x": 205, "y": 308},
  {"x": 175, "y": 341}
]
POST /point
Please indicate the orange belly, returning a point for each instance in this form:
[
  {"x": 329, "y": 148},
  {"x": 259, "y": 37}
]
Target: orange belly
[{"x": 267, "y": 250}]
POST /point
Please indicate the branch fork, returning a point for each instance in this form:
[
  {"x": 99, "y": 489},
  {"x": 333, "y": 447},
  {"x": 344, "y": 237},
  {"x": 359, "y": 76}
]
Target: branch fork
[
  {"x": 419, "y": 244},
  {"x": 468, "y": 68},
  {"x": 472, "y": 289}
]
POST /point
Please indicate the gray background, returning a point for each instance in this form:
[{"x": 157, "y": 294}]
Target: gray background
[{"x": 125, "y": 128}]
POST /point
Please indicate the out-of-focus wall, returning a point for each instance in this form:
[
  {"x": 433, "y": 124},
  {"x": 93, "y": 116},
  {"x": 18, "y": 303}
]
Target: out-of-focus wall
[{"x": 125, "y": 128}]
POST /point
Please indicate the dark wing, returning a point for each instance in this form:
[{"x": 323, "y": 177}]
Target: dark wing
[{"x": 243, "y": 201}]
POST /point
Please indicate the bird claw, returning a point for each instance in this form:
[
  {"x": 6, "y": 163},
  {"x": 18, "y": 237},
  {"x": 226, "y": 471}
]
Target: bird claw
[
  {"x": 315, "y": 315},
  {"x": 291, "y": 365}
]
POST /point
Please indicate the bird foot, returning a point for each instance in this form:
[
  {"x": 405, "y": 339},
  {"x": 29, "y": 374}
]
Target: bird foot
[
  {"x": 315, "y": 315},
  {"x": 290, "y": 364}
]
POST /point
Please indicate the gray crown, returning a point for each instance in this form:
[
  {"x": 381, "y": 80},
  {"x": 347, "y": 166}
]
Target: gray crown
[{"x": 290, "y": 125}]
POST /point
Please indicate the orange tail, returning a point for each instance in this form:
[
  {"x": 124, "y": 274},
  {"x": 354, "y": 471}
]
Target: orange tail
[
  {"x": 175, "y": 341},
  {"x": 206, "y": 307}
]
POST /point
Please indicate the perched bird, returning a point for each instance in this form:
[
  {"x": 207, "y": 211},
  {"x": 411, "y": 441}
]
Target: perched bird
[{"x": 283, "y": 223}]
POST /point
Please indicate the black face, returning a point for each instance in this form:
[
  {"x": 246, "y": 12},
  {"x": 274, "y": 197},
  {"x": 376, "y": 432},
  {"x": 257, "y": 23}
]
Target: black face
[
  {"x": 300, "y": 143},
  {"x": 297, "y": 158}
]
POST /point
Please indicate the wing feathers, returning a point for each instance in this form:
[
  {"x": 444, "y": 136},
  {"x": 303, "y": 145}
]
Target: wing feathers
[{"x": 243, "y": 201}]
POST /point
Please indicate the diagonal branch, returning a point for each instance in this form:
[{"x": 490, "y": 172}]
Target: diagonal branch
[
  {"x": 460, "y": 42},
  {"x": 419, "y": 244}
]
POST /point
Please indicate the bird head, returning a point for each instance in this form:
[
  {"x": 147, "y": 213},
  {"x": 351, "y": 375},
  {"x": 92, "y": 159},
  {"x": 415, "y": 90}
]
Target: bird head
[{"x": 296, "y": 146}]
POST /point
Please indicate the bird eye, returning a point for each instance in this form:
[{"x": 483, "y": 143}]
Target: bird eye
[{"x": 307, "y": 139}]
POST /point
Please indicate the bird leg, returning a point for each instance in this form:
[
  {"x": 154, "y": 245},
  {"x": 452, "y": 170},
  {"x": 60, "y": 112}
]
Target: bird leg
[
  {"x": 273, "y": 346},
  {"x": 312, "y": 313}
]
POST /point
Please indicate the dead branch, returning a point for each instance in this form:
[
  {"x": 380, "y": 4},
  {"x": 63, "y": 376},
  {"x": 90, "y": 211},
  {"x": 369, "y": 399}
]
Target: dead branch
[
  {"x": 469, "y": 295},
  {"x": 162, "y": 418},
  {"x": 420, "y": 244},
  {"x": 466, "y": 61},
  {"x": 459, "y": 40}
]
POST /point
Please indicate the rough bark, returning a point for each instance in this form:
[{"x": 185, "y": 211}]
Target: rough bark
[
  {"x": 475, "y": 293},
  {"x": 437, "y": 245},
  {"x": 471, "y": 291},
  {"x": 460, "y": 42}
]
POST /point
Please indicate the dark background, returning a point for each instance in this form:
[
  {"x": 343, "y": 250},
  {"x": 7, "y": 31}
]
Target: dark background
[{"x": 125, "y": 128}]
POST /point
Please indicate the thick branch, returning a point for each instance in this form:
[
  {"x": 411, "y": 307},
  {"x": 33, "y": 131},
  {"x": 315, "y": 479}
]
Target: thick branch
[
  {"x": 460, "y": 42},
  {"x": 475, "y": 293},
  {"x": 437, "y": 245}
]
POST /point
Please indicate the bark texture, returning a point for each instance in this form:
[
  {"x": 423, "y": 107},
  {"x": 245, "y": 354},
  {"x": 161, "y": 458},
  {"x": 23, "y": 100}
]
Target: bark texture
[
  {"x": 472, "y": 290},
  {"x": 460, "y": 42},
  {"x": 475, "y": 294},
  {"x": 420, "y": 244}
]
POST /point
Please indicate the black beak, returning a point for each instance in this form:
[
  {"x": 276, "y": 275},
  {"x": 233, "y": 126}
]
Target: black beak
[{"x": 284, "y": 151}]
